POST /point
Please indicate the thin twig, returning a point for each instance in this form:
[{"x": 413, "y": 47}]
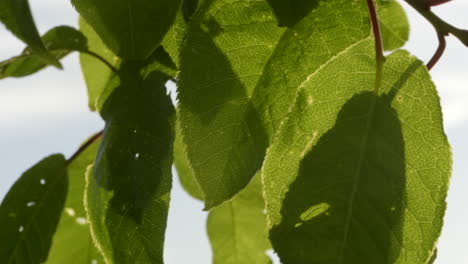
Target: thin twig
[
  {"x": 439, "y": 52},
  {"x": 97, "y": 56},
  {"x": 423, "y": 7},
  {"x": 379, "y": 52},
  {"x": 437, "y": 2},
  {"x": 84, "y": 146}
]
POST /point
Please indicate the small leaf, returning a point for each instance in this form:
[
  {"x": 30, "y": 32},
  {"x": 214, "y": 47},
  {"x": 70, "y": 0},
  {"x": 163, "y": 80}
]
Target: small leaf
[
  {"x": 128, "y": 191},
  {"x": 355, "y": 175},
  {"x": 31, "y": 210},
  {"x": 17, "y": 17},
  {"x": 131, "y": 29},
  {"x": 237, "y": 228},
  {"x": 72, "y": 242},
  {"x": 393, "y": 24},
  {"x": 60, "y": 41}
]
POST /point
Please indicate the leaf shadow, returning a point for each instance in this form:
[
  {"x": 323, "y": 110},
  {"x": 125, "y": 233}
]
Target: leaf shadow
[
  {"x": 288, "y": 13},
  {"x": 133, "y": 162},
  {"x": 347, "y": 203},
  {"x": 222, "y": 108}
]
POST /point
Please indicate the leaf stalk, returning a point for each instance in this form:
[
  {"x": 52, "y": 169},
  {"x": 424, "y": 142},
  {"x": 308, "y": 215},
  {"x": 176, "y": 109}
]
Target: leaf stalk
[
  {"x": 379, "y": 52},
  {"x": 84, "y": 146}
]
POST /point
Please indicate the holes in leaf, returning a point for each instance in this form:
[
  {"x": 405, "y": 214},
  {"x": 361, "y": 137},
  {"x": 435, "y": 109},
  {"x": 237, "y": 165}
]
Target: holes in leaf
[
  {"x": 30, "y": 204},
  {"x": 20, "y": 229},
  {"x": 137, "y": 155},
  {"x": 70, "y": 211},
  {"x": 81, "y": 220},
  {"x": 42, "y": 181}
]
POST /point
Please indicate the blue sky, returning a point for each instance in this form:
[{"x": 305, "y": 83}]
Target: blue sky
[{"x": 47, "y": 113}]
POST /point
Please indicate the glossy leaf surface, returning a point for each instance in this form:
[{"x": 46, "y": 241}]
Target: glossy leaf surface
[
  {"x": 355, "y": 175},
  {"x": 30, "y": 212},
  {"x": 130, "y": 29},
  {"x": 127, "y": 194},
  {"x": 60, "y": 41}
]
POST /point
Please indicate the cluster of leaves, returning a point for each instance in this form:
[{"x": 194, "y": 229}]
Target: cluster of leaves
[{"x": 285, "y": 126}]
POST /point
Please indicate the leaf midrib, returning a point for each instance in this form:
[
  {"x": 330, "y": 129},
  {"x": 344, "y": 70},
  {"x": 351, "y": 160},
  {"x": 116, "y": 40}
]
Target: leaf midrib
[{"x": 357, "y": 176}]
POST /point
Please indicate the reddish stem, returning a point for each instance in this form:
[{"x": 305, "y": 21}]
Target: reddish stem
[
  {"x": 436, "y": 2},
  {"x": 439, "y": 52},
  {"x": 379, "y": 52},
  {"x": 84, "y": 146}
]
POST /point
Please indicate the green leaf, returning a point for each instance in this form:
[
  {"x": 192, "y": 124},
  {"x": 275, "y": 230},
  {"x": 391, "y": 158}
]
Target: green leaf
[
  {"x": 184, "y": 169},
  {"x": 433, "y": 258},
  {"x": 100, "y": 79},
  {"x": 237, "y": 228},
  {"x": 394, "y": 24},
  {"x": 131, "y": 29},
  {"x": 357, "y": 175},
  {"x": 60, "y": 41},
  {"x": 220, "y": 64},
  {"x": 96, "y": 74},
  {"x": 17, "y": 17},
  {"x": 172, "y": 42},
  {"x": 127, "y": 194},
  {"x": 72, "y": 242},
  {"x": 234, "y": 89},
  {"x": 30, "y": 212}
]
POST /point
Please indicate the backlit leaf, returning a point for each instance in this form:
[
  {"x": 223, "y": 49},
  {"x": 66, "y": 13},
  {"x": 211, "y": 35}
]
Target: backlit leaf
[
  {"x": 96, "y": 74},
  {"x": 237, "y": 228},
  {"x": 72, "y": 242},
  {"x": 225, "y": 48},
  {"x": 184, "y": 169},
  {"x": 131, "y": 29},
  {"x": 240, "y": 73},
  {"x": 17, "y": 17},
  {"x": 393, "y": 24},
  {"x": 357, "y": 175},
  {"x": 128, "y": 191},
  {"x": 60, "y": 41},
  {"x": 30, "y": 212},
  {"x": 99, "y": 77}
]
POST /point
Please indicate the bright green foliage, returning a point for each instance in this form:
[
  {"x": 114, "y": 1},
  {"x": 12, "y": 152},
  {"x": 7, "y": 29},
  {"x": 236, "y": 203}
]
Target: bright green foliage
[
  {"x": 127, "y": 195},
  {"x": 16, "y": 15},
  {"x": 226, "y": 46},
  {"x": 282, "y": 105},
  {"x": 184, "y": 169},
  {"x": 60, "y": 41},
  {"x": 131, "y": 29},
  {"x": 72, "y": 242},
  {"x": 96, "y": 74},
  {"x": 358, "y": 175},
  {"x": 30, "y": 212},
  {"x": 248, "y": 83},
  {"x": 237, "y": 228},
  {"x": 173, "y": 40},
  {"x": 393, "y": 24}
]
